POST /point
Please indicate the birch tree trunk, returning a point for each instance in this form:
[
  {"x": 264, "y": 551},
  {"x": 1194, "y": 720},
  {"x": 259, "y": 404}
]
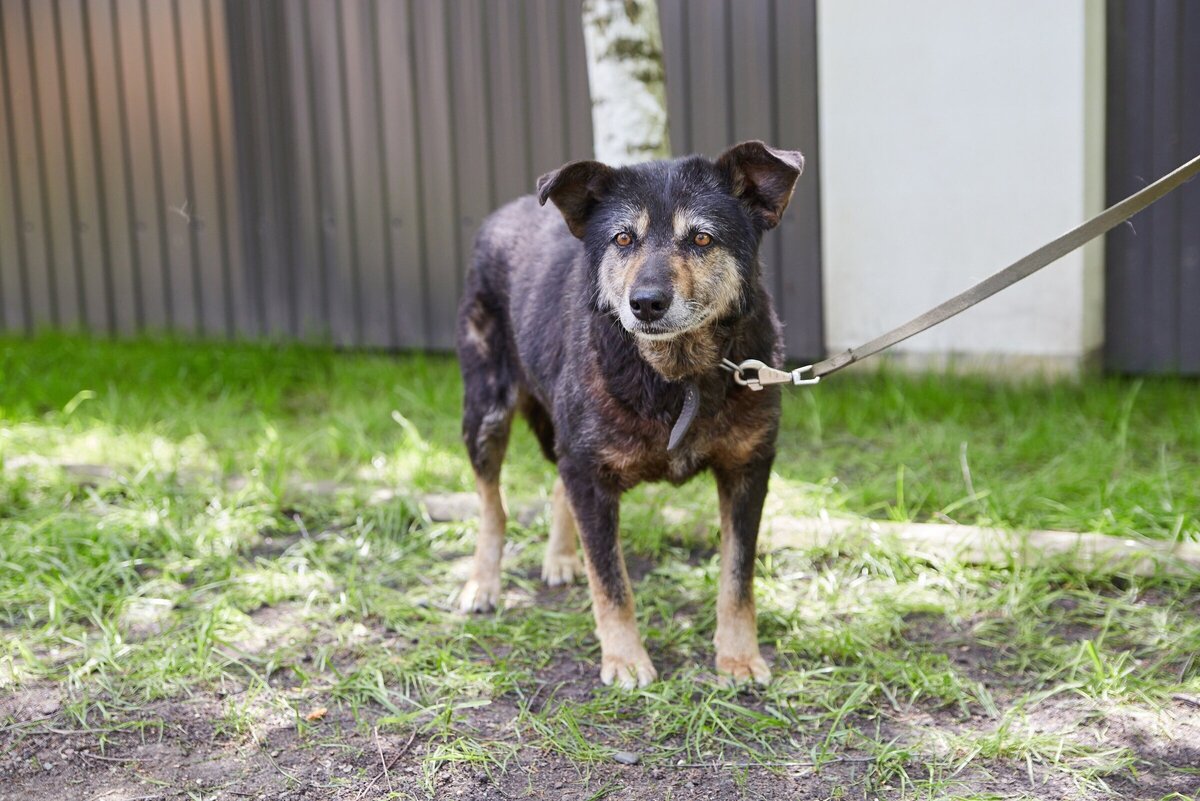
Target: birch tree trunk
[{"x": 627, "y": 80}]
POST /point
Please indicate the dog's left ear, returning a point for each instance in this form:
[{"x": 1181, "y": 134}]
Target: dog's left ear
[
  {"x": 763, "y": 178},
  {"x": 575, "y": 188}
]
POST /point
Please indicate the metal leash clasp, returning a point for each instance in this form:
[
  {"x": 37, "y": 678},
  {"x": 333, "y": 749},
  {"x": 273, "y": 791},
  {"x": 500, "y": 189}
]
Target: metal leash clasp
[{"x": 756, "y": 375}]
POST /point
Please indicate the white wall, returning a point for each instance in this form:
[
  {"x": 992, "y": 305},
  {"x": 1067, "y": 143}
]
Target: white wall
[{"x": 956, "y": 137}]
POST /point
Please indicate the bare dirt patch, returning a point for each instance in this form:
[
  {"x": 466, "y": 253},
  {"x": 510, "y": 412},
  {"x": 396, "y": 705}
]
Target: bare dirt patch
[
  {"x": 184, "y": 748},
  {"x": 176, "y": 750}
]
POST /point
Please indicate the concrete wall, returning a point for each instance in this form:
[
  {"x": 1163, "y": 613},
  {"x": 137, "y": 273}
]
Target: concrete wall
[{"x": 956, "y": 137}]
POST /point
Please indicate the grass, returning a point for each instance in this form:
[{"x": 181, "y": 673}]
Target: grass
[{"x": 199, "y": 564}]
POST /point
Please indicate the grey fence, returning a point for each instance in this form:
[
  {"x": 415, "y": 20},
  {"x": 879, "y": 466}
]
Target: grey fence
[
  {"x": 116, "y": 165},
  {"x": 317, "y": 169},
  {"x": 1153, "y": 265},
  {"x": 382, "y": 133},
  {"x": 747, "y": 69}
]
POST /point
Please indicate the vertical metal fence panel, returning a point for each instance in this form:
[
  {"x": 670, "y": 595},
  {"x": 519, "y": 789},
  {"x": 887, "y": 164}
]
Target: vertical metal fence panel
[
  {"x": 1189, "y": 203},
  {"x": 253, "y": 197},
  {"x": 469, "y": 98},
  {"x": 436, "y": 154},
  {"x": 12, "y": 310},
  {"x": 26, "y": 184},
  {"x": 332, "y": 173},
  {"x": 277, "y": 286},
  {"x": 77, "y": 115},
  {"x": 545, "y": 77},
  {"x": 38, "y": 167},
  {"x": 1153, "y": 265},
  {"x": 578, "y": 106},
  {"x": 308, "y": 267},
  {"x": 283, "y": 83},
  {"x": 752, "y": 71},
  {"x": 1163, "y": 218},
  {"x": 795, "y": 48},
  {"x": 710, "y": 105},
  {"x": 373, "y": 306},
  {"x": 109, "y": 161},
  {"x": 318, "y": 169},
  {"x": 344, "y": 181},
  {"x": 136, "y": 104},
  {"x": 13, "y": 306},
  {"x": 261, "y": 128},
  {"x": 200, "y": 212},
  {"x": 673, "y": 15},
  {"x": 174, "y": 174},
  {"x": 509, "y": 100},
  {"x": 240, "y": 319},
  {"x": 236, "y": 31},
  {"x": 403, "y": 174},
  {"x": 52, "y": 129}
]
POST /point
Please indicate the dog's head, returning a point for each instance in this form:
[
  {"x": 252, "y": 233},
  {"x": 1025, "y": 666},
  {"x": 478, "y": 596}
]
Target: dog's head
[{"x": 673, "y": 243}]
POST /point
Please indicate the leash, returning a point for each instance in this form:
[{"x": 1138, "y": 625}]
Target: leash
[{"x": 755, "y": 374}]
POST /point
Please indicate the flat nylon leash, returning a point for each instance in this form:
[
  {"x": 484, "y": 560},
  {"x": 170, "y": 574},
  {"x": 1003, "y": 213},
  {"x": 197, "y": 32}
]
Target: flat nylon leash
[{"x": 755, "y": 374}]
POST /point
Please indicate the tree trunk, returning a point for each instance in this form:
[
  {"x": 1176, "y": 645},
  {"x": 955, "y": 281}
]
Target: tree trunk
[{"x": 627, "y": 80}]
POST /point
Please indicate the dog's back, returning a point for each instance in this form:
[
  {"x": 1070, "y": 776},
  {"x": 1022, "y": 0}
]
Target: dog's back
[{"x": 523, "y": 276}]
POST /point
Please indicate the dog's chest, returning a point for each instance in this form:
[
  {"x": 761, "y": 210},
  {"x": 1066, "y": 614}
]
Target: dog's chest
[{"x": 633, "y": 449}]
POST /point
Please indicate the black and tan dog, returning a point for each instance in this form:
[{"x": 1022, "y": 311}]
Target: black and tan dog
[{"x": 595, "y": 330}]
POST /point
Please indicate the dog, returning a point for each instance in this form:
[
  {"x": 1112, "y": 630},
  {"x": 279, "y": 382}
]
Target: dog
[{"x": 595, "y": 323}]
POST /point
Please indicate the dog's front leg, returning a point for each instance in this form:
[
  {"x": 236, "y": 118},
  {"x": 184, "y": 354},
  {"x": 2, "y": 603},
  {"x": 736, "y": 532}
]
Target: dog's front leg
[
  {"x": 623, "y": 658},
  {"x": 742, "y": 491}
]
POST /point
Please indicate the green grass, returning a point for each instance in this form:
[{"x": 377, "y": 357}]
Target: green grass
[
  {"x": 200, "y": 564},
  {"x": 1112, "y": 455}
]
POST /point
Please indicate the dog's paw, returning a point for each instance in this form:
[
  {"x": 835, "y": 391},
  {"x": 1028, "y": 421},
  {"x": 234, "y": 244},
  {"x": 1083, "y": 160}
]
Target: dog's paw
[
  {"x": 628, "y": 670},
  {"x": 560, "y": 568},
  {"x": 479, "y": 595},
  {"x": 735, "y": 670}
]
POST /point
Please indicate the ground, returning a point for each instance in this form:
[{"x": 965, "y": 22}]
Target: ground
[{"x": 228, "y": 572}]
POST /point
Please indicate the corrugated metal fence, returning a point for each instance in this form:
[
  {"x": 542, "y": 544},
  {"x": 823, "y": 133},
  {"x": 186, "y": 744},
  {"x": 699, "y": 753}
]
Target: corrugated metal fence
[
  {"x": 1153, "y": 265},
  {"x": 116, "y": 158},
  {"x": 382, "y": 134},
  {"x": 317, "y": 169},
  {"x": 747, "y": 69}
]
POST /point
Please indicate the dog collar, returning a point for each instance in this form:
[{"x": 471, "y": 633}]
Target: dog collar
[{"x": 691, "y": 405}]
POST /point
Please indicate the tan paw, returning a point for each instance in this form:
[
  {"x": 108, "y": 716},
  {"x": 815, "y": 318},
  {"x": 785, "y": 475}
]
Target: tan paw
[
  {"x": 629, "y": 670},
  {"x": 740, "y": 669},
  {"x": 558, "y": 568},
  {"x": 479, "y": 595}
]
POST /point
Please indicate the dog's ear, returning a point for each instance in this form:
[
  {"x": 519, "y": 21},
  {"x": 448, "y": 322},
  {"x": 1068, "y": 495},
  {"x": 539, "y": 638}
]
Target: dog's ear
[
  {"x": 575, "y": 188},
  {"x": 763, "y": 178}
]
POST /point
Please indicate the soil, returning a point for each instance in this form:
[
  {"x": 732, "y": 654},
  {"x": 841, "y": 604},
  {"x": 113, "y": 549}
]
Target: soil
[
  {"x": 179, "y": 749},
  {"x": 185, "y": 748}
]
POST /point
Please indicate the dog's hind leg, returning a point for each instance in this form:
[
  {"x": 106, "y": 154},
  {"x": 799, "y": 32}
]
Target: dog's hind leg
[
  {"x": 489, "y": 399},
  {"x": 561, "y": 563},
  {"x": 741, "y": 491},
  {"x": 481, "y": 592}
]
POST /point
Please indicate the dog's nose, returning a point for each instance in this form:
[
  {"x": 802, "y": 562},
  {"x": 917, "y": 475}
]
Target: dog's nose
[{"x": 649, "y": 303}]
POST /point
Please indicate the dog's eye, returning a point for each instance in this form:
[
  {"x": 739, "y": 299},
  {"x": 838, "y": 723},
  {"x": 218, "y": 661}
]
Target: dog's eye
[
  {"x": 623, "y": 239},
  {"x": 702, "y": 239}
]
